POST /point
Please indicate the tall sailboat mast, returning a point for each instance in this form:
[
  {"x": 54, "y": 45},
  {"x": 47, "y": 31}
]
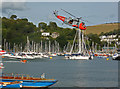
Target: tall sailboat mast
[
  {"x": 79, "y": 38},
  {"x": 49, "y": 46},
  {"x": 41, "y": 47}
]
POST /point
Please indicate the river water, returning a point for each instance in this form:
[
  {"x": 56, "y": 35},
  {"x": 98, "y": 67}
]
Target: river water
[{"x": 69, "y": 73}]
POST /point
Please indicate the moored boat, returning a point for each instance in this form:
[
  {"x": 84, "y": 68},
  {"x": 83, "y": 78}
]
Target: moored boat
[
  {"x": 1, "y": 65},
  {"x": 29, "y": 82},
  {"x": 23, "y": 61},
  {"x": 15, "y": 84},
  {"x": 116, "y": 56},
  {"x": 101, "y": 55},
  {"x": 78, "y": 56}
]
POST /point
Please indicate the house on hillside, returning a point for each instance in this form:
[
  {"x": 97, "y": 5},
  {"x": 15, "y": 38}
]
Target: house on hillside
[
  {"x": 118, "y": 36},
  {"x": 55, "y": 35},
  {"x": 102, "y": 37},
  {"x": 41, "y": 30},
  {"x": 109, "y": 38},
  {"x": 45, "y": 34}
]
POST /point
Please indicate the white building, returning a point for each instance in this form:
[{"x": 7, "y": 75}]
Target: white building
[
  {"x": 55, "y": 35},
  {"x": 118, "y": 36},
  {"x": 109, "y": 38},
  {"x": 45, "y": 34},
  {"x": 102, "y": 37}
]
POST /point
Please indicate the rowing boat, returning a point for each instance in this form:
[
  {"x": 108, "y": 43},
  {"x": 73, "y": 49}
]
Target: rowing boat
[
  {"x": 29, "y": 82},
  {"x": 15, "y": 84}
]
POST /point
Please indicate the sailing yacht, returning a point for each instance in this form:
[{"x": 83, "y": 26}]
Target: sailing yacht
[{"x": 82, "y": 52}]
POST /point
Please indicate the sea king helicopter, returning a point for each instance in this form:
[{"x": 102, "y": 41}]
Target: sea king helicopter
[
  {"x": 75, "y": 22},
  {"x": 81, "y": 52}
]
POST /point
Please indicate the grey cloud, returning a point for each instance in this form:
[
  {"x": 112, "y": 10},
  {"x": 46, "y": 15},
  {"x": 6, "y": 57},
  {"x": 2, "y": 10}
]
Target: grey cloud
[{"x": 10, "y": 7}]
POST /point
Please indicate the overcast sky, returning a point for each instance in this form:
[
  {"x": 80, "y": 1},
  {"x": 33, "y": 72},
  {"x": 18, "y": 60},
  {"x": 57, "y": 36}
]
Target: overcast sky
[{"x": 93, "y": 12}]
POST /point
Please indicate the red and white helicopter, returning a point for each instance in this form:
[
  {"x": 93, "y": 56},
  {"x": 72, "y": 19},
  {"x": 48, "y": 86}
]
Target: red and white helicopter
[{"x": 76, "y": 22}]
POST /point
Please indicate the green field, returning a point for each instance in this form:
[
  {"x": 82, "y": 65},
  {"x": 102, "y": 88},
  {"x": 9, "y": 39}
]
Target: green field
[{"x": 97, "y": 29}]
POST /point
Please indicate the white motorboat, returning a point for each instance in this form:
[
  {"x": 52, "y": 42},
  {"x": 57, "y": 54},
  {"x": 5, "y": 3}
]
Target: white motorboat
[{"x": 116, "y": 56}]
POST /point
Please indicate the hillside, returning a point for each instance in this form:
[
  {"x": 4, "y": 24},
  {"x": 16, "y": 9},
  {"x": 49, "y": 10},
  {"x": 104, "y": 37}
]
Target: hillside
[
  {"x": 15, "y": 31},
  {"x": 97, "y": 29}
]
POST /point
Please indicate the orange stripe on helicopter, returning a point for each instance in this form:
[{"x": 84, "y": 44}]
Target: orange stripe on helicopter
[
  {"x": 75, "y": 26},
  {"x": 82, "y": 27},
  {"x": 61, "y": 18}
]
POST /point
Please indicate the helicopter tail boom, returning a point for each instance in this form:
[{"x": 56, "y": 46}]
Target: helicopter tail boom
[
  {"x": 58, "y": 16},
  {"x": 61, "y": 18}
]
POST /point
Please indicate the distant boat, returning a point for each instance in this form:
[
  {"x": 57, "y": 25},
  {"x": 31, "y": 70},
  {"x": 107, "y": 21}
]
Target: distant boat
[
  {"x": 101, "y": 55},
  {"x": 1, "y": 65},
  {"x": 116, "y": 56},
  {"x": 2, "y": 52},
  {"x": 53, "y": 55},
  {"x": 29, "y": 82},
  {"x": 15, "y": 84},
  {"x": 23, "y": 61}
]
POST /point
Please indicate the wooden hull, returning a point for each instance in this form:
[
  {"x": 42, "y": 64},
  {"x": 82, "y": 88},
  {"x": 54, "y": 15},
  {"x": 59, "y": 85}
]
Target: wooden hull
[
  {"x": 33, "y": 83},
  {"x": 10, "y": 85}
]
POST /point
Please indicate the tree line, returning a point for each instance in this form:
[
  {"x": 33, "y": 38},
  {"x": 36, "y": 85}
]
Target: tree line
[{"x": 15, "y": 30}]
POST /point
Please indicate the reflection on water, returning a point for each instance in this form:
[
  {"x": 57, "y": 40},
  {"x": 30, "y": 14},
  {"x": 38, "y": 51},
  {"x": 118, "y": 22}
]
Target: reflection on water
[{"x": 69, "y": 73}]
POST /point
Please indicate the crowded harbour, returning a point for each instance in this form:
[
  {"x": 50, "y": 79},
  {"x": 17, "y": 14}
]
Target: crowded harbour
[
  {"x": 37, "y": 63},
  {"x": 59, "y": 45},
  {"x": 49, "y": 50},
  {"x": 33, "y": 63}
]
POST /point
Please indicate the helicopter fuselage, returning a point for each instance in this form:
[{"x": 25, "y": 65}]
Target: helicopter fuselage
[{"x": 72, "y": 22}]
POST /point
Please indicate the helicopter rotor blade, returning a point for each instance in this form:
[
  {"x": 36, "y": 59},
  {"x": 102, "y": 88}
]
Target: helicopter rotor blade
[
  {"x": 68, "y": 13},
  {"x": 87, "y": 21},
  {"x": 84, "y": 20},
  {"x": 79, "y": 18}
]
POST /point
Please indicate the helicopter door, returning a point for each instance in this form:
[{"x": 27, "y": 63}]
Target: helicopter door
[{"x": 75, "y": 23}]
